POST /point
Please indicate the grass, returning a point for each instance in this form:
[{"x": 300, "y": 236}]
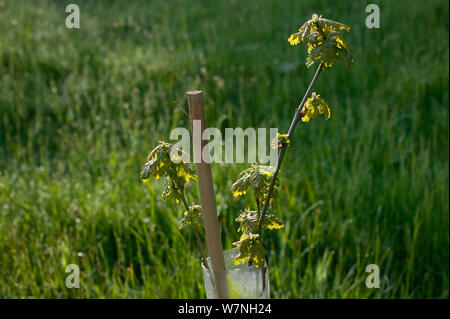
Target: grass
[{"x": 81, "y": 109}]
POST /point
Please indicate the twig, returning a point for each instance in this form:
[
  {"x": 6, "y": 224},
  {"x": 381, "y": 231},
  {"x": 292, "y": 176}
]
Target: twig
[
  {"x": 197, "y": 236},
  {"x": 181, "y": 108},
  {"x": 296, "y": 118},
  {"x": 257, "y": 207}
]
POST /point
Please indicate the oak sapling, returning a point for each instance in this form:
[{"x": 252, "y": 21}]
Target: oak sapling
[
  {"x": 326, "y": 45},
  {"x": 166, "y": 161}
]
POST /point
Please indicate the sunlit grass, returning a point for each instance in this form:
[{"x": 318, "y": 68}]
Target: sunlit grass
[{"x": 81, "y": 109}]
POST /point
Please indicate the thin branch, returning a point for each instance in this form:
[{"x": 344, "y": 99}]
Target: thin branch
[
  {"x": 257, "y": 207},
  {"x": 296, "y": 118},
  {"x": 199, "y": 242},
  {"x": 183, "y": 198},
  {"x": 197, "y": 235},
  {"x": 182, "y": 110}
]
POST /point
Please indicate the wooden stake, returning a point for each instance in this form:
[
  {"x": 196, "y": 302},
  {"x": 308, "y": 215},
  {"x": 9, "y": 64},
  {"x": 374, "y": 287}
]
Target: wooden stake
[{"x": 207, "y": 196}]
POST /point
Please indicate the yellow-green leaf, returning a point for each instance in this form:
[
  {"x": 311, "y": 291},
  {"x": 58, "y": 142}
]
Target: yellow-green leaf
[
  {"x": 193, "y": 217},
  {"x": 315, "y": 106},
  {"x": 324, "y": 41},
  {"x": 250, "y": 249},
  {"x": 272, "y": 222}
]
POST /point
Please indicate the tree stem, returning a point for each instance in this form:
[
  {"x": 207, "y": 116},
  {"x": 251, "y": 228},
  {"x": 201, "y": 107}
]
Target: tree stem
[
  {"x": 296, "y": 118},
  {"x": 197, "y": 235},
  {"x": 258, "y": 208}
]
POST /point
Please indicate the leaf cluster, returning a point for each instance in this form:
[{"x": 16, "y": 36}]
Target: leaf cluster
[
  {"x": 257, "y": 177},
  {"x": 250, "y": 250},
  {"x": 193, "y": 217},
  {"x": 165, "y": 160},
  {"x": 249, "y": 222},
  {"x": 314, "y": 106},
  {"x": 280, "y": 141},
  {"x": 324, "y": 40}
]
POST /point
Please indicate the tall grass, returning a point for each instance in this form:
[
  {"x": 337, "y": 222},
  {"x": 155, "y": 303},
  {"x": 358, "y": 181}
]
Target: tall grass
[{"x": 80, "y": 110}]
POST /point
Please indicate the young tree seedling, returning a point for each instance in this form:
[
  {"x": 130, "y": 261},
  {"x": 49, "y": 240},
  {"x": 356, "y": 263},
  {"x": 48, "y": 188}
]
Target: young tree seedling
[
  {"x": 165, "y": 161},
  {"x": 325, "y": 44}
]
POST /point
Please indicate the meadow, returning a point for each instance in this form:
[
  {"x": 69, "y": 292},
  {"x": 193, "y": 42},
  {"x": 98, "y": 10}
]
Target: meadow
[{"x": 80, "y": 109}]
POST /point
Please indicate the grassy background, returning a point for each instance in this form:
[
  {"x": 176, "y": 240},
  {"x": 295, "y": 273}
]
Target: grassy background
[{"x": 80, "y": 110}]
